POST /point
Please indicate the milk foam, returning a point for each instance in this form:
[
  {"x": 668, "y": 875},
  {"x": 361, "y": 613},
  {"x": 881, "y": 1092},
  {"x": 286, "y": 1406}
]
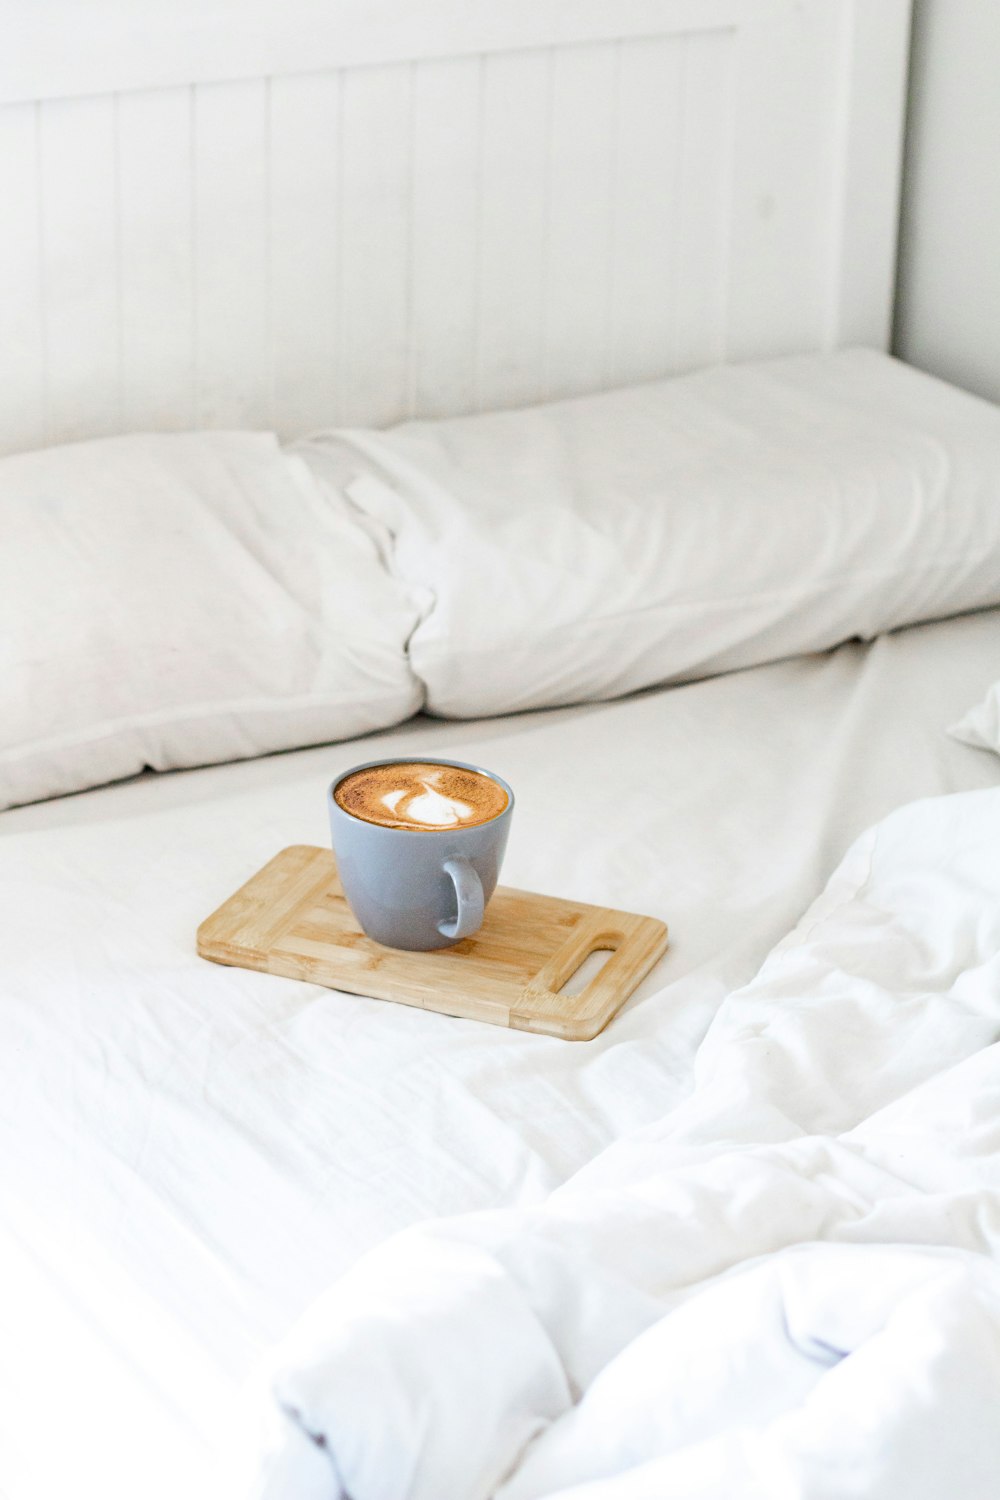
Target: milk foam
[
  {"x": 430, "y": 807},
  {"x": 421, "y": 795}
]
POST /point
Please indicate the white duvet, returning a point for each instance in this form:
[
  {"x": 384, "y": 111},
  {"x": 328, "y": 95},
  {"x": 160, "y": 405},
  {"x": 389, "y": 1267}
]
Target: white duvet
[{"x": 787, "y": 1286}]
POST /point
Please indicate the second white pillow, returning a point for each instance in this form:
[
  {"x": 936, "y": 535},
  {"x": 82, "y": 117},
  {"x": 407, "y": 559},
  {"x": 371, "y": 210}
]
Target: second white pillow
[{"x": 587, "y": 548}]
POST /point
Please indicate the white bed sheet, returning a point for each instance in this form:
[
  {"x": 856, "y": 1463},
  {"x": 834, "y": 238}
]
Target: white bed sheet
[{"x": 190, "y": 1153}]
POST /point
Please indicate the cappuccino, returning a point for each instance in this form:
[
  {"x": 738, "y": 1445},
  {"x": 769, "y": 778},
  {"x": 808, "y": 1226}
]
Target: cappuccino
[{"x": 422, "y": 795}]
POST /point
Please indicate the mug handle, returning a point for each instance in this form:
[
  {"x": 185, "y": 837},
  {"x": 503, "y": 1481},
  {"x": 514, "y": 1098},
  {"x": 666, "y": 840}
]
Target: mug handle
[{"x": 468, "y": 896}]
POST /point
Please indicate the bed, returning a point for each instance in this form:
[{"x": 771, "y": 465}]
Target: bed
[{"x": 195, "y": 1153}]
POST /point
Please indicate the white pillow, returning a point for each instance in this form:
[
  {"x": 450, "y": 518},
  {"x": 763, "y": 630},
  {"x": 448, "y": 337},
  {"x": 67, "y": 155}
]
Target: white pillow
[
  {"x": 175, "y": 600},
  {"x": 591, "y": 547},
  {"x": 981, "y": 725}
]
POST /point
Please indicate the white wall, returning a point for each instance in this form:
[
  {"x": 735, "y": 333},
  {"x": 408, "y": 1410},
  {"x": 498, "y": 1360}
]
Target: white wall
[
  {"x": 948, "y": 310},
  {"x": 299, "y": 213}
]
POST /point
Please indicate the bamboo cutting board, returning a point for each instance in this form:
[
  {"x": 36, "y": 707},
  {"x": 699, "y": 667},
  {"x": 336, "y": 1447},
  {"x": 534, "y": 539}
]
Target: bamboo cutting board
[{"x": 292, "y": 918}]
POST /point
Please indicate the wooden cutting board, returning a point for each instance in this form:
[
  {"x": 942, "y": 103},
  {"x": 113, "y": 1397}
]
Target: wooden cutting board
[{"x": 292, "y": 919}]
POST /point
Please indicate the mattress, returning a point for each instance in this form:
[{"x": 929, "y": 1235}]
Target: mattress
[{"x": 191, "y": 1153}]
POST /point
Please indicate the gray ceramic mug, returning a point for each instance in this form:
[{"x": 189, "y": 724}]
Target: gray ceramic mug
[{"x": 414, "y": 889}]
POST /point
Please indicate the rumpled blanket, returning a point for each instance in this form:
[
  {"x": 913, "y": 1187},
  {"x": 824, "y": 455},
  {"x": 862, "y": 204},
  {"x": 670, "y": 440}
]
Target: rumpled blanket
[{"x": 788, "y": 1286}]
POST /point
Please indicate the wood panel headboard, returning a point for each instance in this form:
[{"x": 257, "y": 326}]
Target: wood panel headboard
[{"x": 287, "y": 214}]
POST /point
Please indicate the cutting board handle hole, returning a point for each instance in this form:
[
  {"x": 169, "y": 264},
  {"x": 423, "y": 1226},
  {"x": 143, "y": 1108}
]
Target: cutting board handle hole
[{"x": 585, "y": 971}]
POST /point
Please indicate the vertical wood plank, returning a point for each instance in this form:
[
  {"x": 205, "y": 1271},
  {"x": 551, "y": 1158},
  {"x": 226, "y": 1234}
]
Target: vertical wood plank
[
  {"x": 157, "y": 288},
  {"x": 582, "y": 228},
  {"x": 232, "y": 255},
  {"x": 873, "y": 104},
  {"x": 792, "y": 102},
  {"x": 442, "y": 335},
  {"x": 705, "y": 202},
  {"x": 79, "y": 254},
  {"x": 304, "y": 212},
  {"x": 22, "y": 326},
  {"x": 513, "y": 228},
  {"x": 375, "y": 235},
  {"x": 647, "y": 194}
]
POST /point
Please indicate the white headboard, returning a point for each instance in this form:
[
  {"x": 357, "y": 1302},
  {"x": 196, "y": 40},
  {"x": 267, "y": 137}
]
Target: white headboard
[{"x": 291, "y": 213}]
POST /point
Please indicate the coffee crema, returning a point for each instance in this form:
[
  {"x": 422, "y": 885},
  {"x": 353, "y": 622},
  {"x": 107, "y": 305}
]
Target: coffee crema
[{"x": 421, "y": 795}]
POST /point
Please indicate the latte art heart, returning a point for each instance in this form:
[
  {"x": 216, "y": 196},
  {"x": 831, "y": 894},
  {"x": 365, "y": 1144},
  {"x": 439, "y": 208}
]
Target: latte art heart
[
  {"x": 421, "y": 795},
  {"x": 430, "y": 808}
]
